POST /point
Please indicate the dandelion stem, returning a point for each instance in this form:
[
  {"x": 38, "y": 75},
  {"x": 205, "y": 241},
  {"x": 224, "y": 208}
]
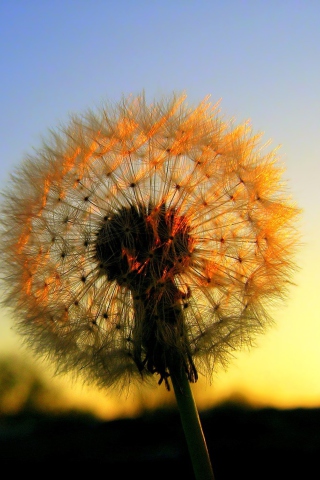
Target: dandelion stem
[{"x": 191, "y": 425}]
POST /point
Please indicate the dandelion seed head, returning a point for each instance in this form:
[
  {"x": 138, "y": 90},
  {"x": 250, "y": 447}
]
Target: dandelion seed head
[{"x": 142, "y": 236}]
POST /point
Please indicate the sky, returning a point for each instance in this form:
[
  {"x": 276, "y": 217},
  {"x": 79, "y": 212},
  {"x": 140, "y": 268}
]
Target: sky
[{"x": 259, "y": 59}]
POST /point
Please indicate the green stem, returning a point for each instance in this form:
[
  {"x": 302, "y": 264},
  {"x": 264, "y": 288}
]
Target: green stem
[{"x": 191, "y": 425}]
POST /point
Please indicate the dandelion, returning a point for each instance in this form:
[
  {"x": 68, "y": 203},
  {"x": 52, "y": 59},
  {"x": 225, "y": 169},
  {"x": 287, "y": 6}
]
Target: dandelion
[{"x": 146, "y": 241}]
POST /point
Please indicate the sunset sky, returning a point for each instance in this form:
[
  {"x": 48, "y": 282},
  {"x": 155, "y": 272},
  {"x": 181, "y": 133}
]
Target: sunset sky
[{"x": 259, "y": 59}]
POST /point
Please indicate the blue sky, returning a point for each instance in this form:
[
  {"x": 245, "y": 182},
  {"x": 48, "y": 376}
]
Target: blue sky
[{"x": 261, "y": 59}]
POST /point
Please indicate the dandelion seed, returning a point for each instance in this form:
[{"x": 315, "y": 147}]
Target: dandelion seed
[{"x": 145, "y": 236}]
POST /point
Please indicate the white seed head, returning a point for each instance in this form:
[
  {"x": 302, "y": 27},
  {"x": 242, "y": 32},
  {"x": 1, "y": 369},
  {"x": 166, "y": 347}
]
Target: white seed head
[{"x": 142, "y": 235}]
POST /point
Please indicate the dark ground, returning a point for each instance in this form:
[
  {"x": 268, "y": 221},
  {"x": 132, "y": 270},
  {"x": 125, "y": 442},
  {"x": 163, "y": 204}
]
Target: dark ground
[{"x": 244, "y": 443}]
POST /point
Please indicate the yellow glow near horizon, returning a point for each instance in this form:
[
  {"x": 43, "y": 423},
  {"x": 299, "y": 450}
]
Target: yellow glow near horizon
[{"x": 281, "y": 371}]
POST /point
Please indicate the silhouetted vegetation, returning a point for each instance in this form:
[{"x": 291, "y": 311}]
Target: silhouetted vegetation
[{"x": 243, "y": 443}]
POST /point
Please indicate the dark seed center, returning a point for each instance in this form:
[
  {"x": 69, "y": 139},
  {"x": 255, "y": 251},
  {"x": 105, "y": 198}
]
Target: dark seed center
[
  {"x": 143, "y": 245},
  {"x": 142, "y": 249}
]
